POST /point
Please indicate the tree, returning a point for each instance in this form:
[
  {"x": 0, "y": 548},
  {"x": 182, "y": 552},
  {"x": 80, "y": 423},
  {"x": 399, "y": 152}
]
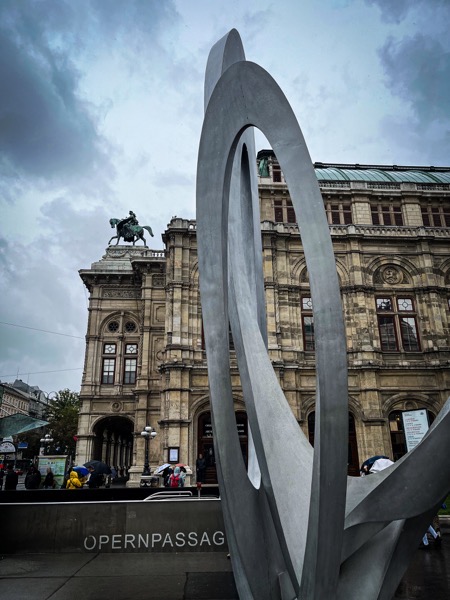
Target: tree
[{"x": 62, "y": 415}]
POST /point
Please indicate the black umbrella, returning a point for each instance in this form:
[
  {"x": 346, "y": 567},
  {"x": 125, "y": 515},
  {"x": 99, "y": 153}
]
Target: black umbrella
[
  {"x": 369, "y": 462},
  {"x": 98, "y": 466}
]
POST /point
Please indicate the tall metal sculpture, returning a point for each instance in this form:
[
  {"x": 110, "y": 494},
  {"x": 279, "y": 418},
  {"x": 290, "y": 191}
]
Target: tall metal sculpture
[{"x": 297, "y": 527}]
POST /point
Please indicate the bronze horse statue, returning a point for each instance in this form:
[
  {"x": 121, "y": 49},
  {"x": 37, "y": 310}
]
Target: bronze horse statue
[{"x": 129, "y": 232}]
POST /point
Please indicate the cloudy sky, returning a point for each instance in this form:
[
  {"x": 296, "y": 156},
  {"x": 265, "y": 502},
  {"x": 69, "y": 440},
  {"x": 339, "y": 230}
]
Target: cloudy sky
[{"x": 101, "y": 108}]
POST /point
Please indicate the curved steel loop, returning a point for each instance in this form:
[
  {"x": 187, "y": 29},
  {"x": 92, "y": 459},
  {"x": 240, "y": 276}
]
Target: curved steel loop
[
  {"x": 247, "y": 96},
  {"x": 256, "y": 573}
]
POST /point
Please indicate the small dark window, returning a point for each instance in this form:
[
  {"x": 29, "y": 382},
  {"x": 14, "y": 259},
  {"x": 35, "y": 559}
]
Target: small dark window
[
  {"x": 290, "y": 212},
  {"x": 278, "y": 214},
  {"x": 113, "y": 326},
  {"x": 276, "y": 174},
  {"x": 130, "y": 327}
]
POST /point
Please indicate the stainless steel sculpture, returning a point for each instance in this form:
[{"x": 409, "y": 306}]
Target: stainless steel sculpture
[{"x": 297, "y": 527}]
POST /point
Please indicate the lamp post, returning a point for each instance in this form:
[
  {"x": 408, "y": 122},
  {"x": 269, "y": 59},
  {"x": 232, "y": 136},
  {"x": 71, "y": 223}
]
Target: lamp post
[
  {"x": 45, "y": 441},
  {"x": 148, "y": 433}
]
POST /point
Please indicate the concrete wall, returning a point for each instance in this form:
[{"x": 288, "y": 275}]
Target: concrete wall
[{"x": 131, "y": 526}]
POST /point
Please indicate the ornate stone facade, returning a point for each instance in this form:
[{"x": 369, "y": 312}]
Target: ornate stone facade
[{"x": 145, "y": 363}]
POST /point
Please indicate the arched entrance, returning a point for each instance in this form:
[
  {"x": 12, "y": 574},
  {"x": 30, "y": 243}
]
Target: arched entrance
[
  {"x": 353, "y": 458},
  {"x": 396, "y": 430},
  {"x": 113, "y": 443},
  {"x": 205, "y": 442}
]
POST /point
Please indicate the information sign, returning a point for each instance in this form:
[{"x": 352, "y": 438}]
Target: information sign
[
  {"x": 415, "y": 426},
  {"x": 58, "y": 464}
]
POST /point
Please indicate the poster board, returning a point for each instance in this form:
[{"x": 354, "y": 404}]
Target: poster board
[
  {"x": 415, "y": 426},
  {"x": 57, "y": 463}
]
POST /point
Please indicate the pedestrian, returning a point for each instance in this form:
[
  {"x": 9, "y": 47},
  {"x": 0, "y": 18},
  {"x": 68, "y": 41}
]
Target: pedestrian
[
  {"x": 2, "y": 473},
  {"x": 49, "y": 481},
  {"x": 166, "y": 474},
  {"x": 425, "y": 542},
  {"x": 96, "y": 478},
  {"x": 182, "y": 476},
  {"x": 200, "y": 467},
  {"x": 174, "y": 479},
  {"x": 73, "y": 483},
  {"x": 33, "y": 478},
  {"x": 11, "y": 479}
]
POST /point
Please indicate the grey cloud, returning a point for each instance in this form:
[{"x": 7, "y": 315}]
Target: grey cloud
[
  {"x": 395, "y": 11},
  {"x": 42, "y": 289},
  {"x": 47, "y": 130},
  {"x": 41, "y": 131},
  {"x": 418, "y": 71}
]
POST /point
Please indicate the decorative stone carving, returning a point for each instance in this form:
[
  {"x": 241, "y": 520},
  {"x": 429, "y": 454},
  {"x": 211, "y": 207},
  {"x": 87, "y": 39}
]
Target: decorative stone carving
[
  {"x": 158, "y": 281},
  {"x": 121, "y": 292},
  {"x": 391, "y": 275},
  {"x": 116, "y": 407}
]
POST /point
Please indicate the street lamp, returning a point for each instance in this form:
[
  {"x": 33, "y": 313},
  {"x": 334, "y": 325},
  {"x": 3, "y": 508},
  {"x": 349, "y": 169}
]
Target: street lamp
[
  {"x": 45, "y": 441},
  {"x": 148, "y": 433}
]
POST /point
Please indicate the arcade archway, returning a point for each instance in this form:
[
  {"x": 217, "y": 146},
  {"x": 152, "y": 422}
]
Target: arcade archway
[{"x": 113, "y": 443}]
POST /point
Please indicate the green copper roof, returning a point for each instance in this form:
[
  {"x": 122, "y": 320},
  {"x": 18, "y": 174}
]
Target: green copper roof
[
  {"x": 336, "y": 172},
  {"x": 381, "y": 176}
]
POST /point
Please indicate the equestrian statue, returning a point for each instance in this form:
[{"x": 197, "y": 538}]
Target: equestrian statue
[{"x": 129, "y": 229}]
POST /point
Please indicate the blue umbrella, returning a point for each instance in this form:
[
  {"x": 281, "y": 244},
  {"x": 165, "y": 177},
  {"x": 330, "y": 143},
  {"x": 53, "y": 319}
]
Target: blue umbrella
[{"x": 81, "y": 471}]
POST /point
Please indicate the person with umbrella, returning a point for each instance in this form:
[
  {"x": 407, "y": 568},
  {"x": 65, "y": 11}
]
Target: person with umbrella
[
  {"x": 97, "y": 469},
  {"x": 368, "y": 464},
  {"x": 96, "y": 478}
]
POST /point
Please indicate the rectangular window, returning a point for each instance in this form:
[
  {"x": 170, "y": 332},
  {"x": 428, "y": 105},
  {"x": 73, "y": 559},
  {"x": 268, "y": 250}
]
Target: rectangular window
[
  {"x": 335, "y": 219},
  {"x": 284, "y": 211},
  {"x": 408, "y": 330},
  {"x": 290, "y": 212},
  {"x": 276, "y": 174},
  {"x": 436, "y": 215},
  {"x": 375, "y": 216},
  {"x": 129, "y": 375},
  {"x": 308, "y": 325},
  {"x": 308, "y": 333},
  {"x": 109, "y": 365},
  {"x": 387, "y": 213},
  {"x": 397, "y": 324},
  {"x": 387, "y": 333},
  {"x": 278, "y": 210},
  {"x": 339, "y": 213}
]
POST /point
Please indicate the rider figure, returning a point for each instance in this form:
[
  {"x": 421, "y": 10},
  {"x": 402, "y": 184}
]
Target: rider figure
[{"x": 124, "y": 226}]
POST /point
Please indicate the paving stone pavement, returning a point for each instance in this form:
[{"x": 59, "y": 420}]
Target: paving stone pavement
[{"x": 194, "y": 576}]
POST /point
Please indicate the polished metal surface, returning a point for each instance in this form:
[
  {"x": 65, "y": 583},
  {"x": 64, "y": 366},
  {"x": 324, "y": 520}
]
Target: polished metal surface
[{"x": 297, "y": 530}]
